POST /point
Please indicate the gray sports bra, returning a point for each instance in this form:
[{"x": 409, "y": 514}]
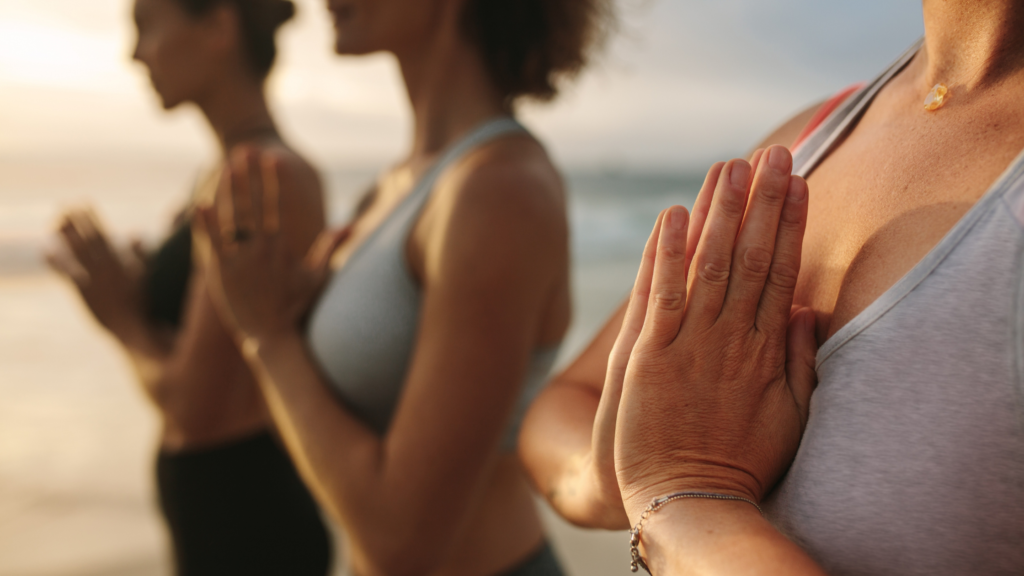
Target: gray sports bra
[
  {"x": 362, "y": 332},
  {"x": 912, "y": 462}
]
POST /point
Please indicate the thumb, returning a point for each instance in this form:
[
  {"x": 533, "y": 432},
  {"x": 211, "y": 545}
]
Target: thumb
[
  {"x": 801, "y": 353},
  {"x": 319, "y": 257}
]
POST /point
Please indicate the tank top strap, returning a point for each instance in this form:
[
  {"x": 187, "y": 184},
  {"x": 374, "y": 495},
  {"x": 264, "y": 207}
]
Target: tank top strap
[
  {"x": 824, "y": 112},
  {"x": 1011, "y": 185},
  {"x": 482, "y": 134},
  {"x": 819, "y": 144}
]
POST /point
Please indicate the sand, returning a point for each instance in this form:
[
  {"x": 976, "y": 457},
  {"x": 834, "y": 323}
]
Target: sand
[{"x": 76, "y": 442}]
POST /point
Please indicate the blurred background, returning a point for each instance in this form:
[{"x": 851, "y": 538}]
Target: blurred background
[{"x": 684, "y": 83}]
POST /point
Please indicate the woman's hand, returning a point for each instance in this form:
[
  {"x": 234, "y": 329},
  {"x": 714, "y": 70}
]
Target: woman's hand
[
  {"x": 261, "y": 289},
  {"x": 111, "y": 284},
  {"x": 603, "y": 442},
  {"x": 716, "y": 392}
]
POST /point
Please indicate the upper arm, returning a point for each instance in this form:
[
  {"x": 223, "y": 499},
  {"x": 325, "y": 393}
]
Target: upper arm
[{"x": 492, "y": 257}]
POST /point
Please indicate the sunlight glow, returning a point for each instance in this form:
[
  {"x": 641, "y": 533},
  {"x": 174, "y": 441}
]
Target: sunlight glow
[{"x": 62, "y": 57}]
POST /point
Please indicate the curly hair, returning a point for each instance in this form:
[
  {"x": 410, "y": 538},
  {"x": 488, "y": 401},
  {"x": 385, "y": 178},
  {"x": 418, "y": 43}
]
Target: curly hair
[
  {"x": 259, "y": 21},
  {"x": 530, "y": 47}
]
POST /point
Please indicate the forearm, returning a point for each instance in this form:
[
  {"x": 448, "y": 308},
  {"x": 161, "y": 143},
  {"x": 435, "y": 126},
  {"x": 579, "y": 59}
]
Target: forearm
[
  {"x": 341, "y": 459},
  {"x": 335, "y": 452},
  {"x": 150, "y": 354},
  {"x": 201, "y": 402},
  {"x": 719, "y": 538},
  {"x": 555, "y": 447}
]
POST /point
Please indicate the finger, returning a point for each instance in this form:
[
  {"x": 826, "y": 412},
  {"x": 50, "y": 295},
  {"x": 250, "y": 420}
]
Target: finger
[
  {"x": 618, "y": 360},
  {"x": 755, "y": 162},
  {"x": 777, "y": 297},
  {"x": 207, "y": 224},
  {"x": 701, "y": 207},
  {"x": 80, "y": 220},
  {"x": 755, "y": 156},
  {"x": 801, "y": 353},
  {"x": 713, "y": 258},
  {"x": 96, "y": 246},
  {"x": 63, "y": 264},
  {"x": 667, "y": 302},
  {"x": 271, "y": 167},
  {"x": 636, "y": 310},
  {"x": 224, "y": 206},
  {"x": 75, "y": 242},
  {"x": 326, "y": 244},
  {"x": 97, "y": 237},
  {"x": 89, "y": 215},
  {"x": 242, "y": 183},
  {"x": 254, "y": 165},
  {"x": 752, "y": 256}
]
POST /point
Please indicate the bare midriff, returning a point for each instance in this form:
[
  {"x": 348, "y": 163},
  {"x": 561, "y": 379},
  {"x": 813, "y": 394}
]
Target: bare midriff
[{"x": 503, "y": 531}]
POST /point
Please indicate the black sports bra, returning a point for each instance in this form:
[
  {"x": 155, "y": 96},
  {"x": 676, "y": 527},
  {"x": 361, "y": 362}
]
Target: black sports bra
[{"x": 168, "y": 270}]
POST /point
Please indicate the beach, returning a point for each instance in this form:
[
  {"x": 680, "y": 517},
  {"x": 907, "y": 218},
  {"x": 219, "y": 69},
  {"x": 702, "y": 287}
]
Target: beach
[{"x": 77, "y": 436}]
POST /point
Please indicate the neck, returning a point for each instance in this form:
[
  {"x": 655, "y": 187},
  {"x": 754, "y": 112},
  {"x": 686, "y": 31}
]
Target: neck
[
  {"x": 237, "y": 112},
  {"x": 449, "y": 89},
  {"x": 973, "y": 43}
]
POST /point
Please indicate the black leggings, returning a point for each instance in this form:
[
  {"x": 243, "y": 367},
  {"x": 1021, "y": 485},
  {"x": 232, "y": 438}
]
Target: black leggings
[{"x": 241, "y": 508}]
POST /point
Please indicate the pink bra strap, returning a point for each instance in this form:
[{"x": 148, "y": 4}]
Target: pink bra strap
[{"x": 823, "y": 112}]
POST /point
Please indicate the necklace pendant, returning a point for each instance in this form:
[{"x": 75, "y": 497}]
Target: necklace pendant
[{"x": 936, "y": 98}]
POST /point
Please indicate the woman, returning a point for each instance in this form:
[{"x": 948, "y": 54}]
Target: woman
[
  {"x": 401, "y": 395},
  {"x": 909, "y": 277},
  {"x": 232, "y": 499}
]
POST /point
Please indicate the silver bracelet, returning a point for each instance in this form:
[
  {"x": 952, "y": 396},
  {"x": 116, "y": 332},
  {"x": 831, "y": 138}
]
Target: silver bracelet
[{"x": 636, "y": 561}]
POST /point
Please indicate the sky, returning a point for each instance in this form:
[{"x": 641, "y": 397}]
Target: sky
[{"x": 684, "y": 83}]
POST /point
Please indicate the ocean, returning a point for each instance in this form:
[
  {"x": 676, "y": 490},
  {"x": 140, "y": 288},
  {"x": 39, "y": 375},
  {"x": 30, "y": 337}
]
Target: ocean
[{"x": 76, "y": 436}]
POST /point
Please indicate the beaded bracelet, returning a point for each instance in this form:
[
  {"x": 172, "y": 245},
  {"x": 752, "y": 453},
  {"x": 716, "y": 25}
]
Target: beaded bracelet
[{"x": 636, "y": 561}]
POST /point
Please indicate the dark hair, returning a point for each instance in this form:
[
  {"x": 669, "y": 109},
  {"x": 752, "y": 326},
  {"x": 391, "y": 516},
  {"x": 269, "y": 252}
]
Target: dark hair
[
  {"x": 531, "y": 46},
  {"x": 258, "y": 20}
]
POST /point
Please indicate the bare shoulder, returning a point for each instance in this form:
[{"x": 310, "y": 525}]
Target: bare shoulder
[
  {"x": 499, "y": 209},
  {"x": 511, "y": 178}
]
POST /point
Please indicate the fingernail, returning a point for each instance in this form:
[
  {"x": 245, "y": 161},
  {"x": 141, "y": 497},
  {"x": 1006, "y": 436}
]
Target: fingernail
[
  {"x": 677, "y": 218},
  {"x": 778, "y": 159},
  {"x": 797, "y": 190},
  {"x": 740, "y": 174}
]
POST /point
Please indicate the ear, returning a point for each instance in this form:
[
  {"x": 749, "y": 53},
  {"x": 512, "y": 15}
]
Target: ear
[{"x": 224, "y": 29}]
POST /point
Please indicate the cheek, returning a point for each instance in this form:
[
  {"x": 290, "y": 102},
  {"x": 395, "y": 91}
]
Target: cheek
[{"x": 177, "y": 65}]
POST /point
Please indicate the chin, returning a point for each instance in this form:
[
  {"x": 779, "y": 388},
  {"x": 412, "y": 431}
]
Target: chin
[
  {"x": 170, "y": 103},
  {"x": 346, "y": 45}
]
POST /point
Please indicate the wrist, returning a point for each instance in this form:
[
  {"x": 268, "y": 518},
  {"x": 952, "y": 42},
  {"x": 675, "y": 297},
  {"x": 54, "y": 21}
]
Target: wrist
[
  {"x": 265, "y": 348},
  {"x": 637, "y": 498},
  {"x": 683, "y": 530},
  {"x": 134, "y": 333}
]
